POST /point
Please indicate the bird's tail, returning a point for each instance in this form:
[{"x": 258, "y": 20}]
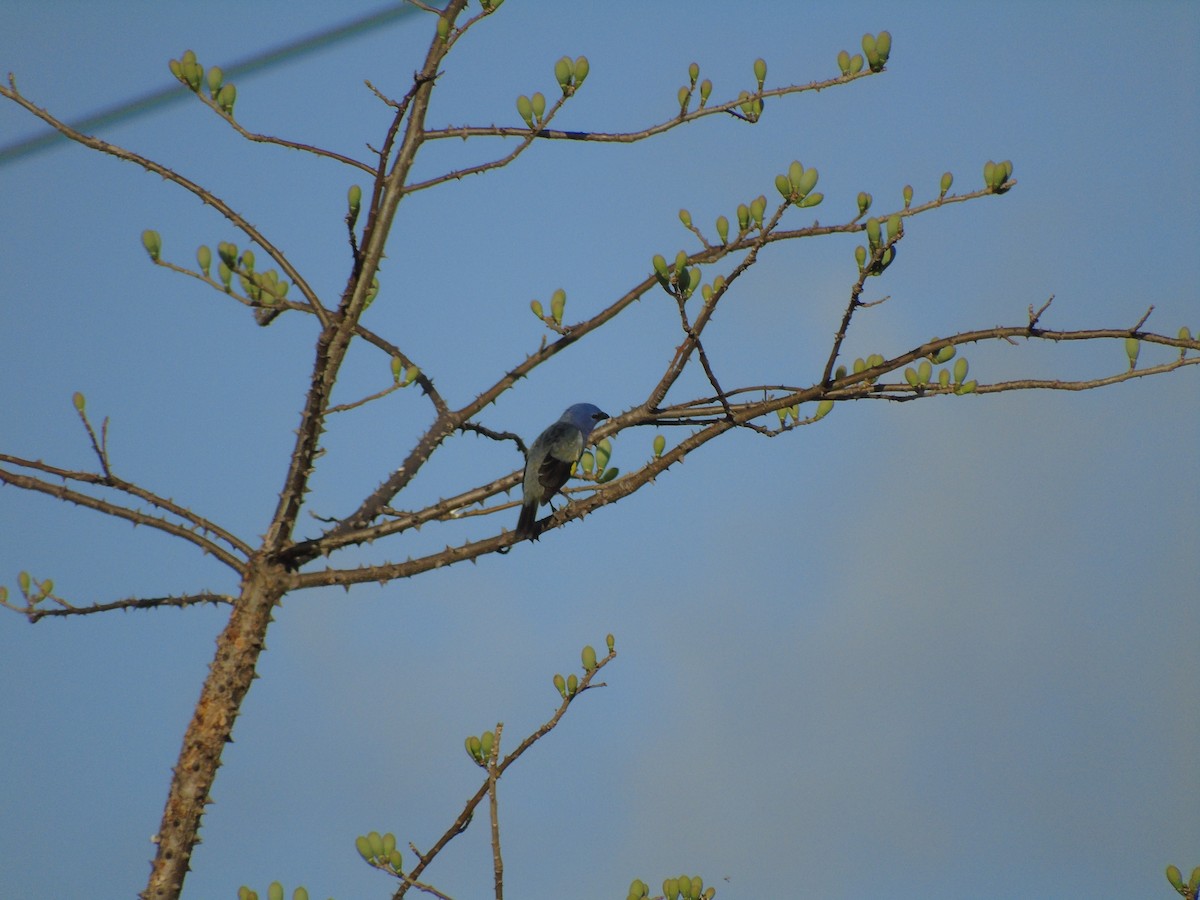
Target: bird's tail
[{"x": 526, "y": 522}]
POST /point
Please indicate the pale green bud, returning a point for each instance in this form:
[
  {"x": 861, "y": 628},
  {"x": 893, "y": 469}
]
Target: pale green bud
[{"x": 152, "y": 241}]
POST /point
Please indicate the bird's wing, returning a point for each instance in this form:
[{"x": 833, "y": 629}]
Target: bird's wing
[{"x": 564, "y": 444}]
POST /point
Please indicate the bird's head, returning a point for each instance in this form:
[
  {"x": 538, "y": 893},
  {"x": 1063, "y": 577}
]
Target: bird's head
[{"x": 584, "y": 416}]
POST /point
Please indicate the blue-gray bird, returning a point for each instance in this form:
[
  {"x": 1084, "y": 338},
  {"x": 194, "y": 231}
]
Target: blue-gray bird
[{"x": 548, "y": 465}]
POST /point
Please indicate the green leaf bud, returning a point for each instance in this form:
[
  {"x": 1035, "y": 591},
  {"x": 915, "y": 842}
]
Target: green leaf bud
[
  {"x": 824, "y": 408},
  {"x": 1194, "y": 881},
  {"x": 784, "y": 186},
  {"x": 686, "y": 218},
  {"x": 152, "y": 241},
  {"x": 474, "y": 750},
  {"x": 214, "y": 78},
  {"x": 79, "y": 400},
  {"x": 637, "y": 889},
  {"x": 411, "y": 375},
  {"x": 705, "y": 91},
  {"x": 758, "y": 206},
  {"x": 782, "y": 414},
  {"x": 894, "y": 226},
  {"x": 204, "y": 258},
  {"x": 443, "y": 28},
  {"x": 660, "y": 444},
  {"x": 697, "y": 886},
  {"x": 525, "y": 109},
  {"x": 883, "y": 45},
  {"x": 609, "y": 475},
  {"x": 562, "y": 72},
  {"x": 227, "y": 97},
  {"x": 743, "y": 216},
  {"x": 660, "y": 264},
  {"x": 275, "y": 891},
  {"x": 572, "y": 684},
  {"x": 843, "y": 60},
  {"x": 760, "y": 72},
  {"x": 176, "y": 69},
  {"x": 875, "y": 359},
  {"x": 873, "y": 232},
  {"x": 354, "y": 197},
  {"x": 300, "y": 893},
  {"x": 864, "y": 202},
  {"x": 582, "y": 67},
  {"x": 944, "y": 354},
  {"x": 1175, "y": 877},
  {"x": 910, "y": 375},
  {"x": 247, "y": 260},
  {"x": 538, "y": 102},
  {"x": 375, "y": 839},
  {"x": 670, "y": 889},
  {"x": 856, "y": 64},
  {"x": 558, "y": 303},
  {"x": 723, "y": 229},
  {"x": 23, "y": 582},
  {"x": 812, "y": 199},
  {"x": 944, "y": 377},
  {"x": 960, "y": 369},
  {"x": 1132, "y": 345},
  {"x": 967, "y": 387},
  {"x": 860, "y": 365},
  {"x": 947, "y": 181},
  {"x": 47, "y": 587},
  {"x": 871, "y": 51},
  {"x": 680, "y": 262},
  {"x": 1185, "y": 333},
  {"x": 683, "y": 96},
  {"x": 989, "y": 174},
  {"x": 389, "y": 844},
  {"x": 908, "y": 195},
  {"x": 536, "y": 306},
  {"x": 924, "y": 372},
  {"x": 397, "y": 366},
  {"x": 693, "y": 72},
  {"x": 807, "y": 181},
  {"x": 560, "y": 685},
  {"x": 226, "y": 276},
  {"x": 603, "y": 453},
  {"x": 588, "y": 658},
  {"x": 794, "y": 173},
  {"x": 487, "y": 743},
  {"x": 587, "y": 462}
]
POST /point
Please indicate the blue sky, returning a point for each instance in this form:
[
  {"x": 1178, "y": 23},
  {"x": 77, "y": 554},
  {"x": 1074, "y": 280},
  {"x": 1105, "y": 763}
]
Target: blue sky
[{"x": 922, "y": 649}]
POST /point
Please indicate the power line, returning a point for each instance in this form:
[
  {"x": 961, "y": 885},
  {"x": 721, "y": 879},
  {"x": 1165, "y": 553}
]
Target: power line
[{"x": 139, "y": 106}]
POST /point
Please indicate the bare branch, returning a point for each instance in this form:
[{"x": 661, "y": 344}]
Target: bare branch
[
  {"x": 62, "y": 492},
  {"x": 630, "y": 137},
  {"x": 464, "y": 818},
  {"x": 205, "y": 196},
  {"x": 35, "y": 613}
]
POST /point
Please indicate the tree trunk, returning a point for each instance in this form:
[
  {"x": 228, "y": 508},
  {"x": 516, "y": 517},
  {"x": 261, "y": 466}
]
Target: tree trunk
[{"x": 229, "y": 677}]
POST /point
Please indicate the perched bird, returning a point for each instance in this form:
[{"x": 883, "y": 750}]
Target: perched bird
[{"x": 548, "y": 465}]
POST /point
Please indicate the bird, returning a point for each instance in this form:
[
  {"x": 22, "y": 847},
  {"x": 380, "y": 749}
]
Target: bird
[{"x": 548, "y": 464}]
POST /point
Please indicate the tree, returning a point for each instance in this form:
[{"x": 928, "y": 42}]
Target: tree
[{"x": 286, "y": 561}]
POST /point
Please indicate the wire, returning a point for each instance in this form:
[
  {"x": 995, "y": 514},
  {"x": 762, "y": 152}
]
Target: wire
[{"x": 139, "y": 106}]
